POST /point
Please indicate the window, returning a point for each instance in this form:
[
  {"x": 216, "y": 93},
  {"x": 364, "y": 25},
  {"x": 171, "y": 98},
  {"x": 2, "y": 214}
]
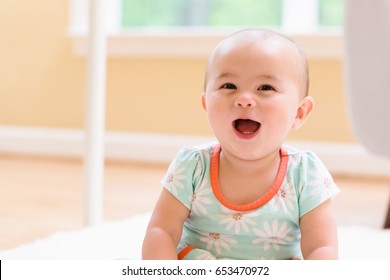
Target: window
[
  {"x": 212, "y": 13},
  {"x": 208, "y": 21},
  {"x": 331, "y": 13},
  {"x": 222, "y": 13}
]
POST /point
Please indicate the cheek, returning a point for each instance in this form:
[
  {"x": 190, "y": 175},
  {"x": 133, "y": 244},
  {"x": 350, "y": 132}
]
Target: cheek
[
  {"x": 217, "y": 113},
  {"x": 215, "y": 116},
  {"x": 282, "y": 115},
  {"x": 215, "y": 105}
]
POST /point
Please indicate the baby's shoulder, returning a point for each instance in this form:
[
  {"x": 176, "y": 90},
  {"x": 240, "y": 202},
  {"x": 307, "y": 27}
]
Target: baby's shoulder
[
  {"x": 302, "y": 158},
  {"x": 197, "y": 152},
  {"x": 296, "y": 153}
]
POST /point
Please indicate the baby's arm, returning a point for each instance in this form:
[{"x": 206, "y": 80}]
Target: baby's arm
[
  {"x": 319, "y": 233},
  {"x": 165, "y": 228}
]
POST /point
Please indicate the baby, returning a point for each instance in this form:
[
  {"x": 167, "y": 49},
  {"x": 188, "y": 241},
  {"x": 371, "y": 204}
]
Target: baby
[{"x": 248, "y": 196}]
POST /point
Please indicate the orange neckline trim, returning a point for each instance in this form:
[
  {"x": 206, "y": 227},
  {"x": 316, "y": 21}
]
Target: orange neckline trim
[{"x": 214, "y": 179}]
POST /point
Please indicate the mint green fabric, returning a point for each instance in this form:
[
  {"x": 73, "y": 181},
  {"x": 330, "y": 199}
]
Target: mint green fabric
[{"x": 270, "y": 231}]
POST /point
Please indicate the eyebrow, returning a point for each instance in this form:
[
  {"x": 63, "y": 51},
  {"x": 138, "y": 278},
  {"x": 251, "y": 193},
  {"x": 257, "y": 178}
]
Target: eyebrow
[
  {"x": 267, "y": 77},
  {"x": 224, "y": 75},
  {"x": 270, "y": 77}
]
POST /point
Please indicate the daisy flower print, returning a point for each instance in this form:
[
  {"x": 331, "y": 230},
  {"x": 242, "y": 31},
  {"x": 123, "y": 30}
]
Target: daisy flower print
[
  {"x": 285, "y": 197},
  {"x": 175, "y": 179},
  {"x": 200, "y": 199},
  {"x": 218, "y": 242},
  {"x": 237, "y": 220},
  {"x": 322, "y": 185},
  {"x": 273, "y": 235}
]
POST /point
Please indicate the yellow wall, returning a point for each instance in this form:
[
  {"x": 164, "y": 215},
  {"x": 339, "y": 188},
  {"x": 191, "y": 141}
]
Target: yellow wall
[{"x": 42, "y": 83}]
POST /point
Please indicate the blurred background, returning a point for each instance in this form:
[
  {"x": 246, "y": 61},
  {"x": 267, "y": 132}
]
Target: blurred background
[
  {"x": 156, "y": 55},
  {"x": 43, "y": 64}
]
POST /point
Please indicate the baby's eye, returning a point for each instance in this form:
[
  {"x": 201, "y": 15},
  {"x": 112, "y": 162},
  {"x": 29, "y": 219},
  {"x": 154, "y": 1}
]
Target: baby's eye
[
  {"x": 229, "y": 86},
  {"x": 266, "y": 87}
]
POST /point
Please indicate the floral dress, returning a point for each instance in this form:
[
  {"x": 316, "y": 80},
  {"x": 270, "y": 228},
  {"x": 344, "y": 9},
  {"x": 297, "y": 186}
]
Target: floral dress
[{"x": 267, "y": 228}]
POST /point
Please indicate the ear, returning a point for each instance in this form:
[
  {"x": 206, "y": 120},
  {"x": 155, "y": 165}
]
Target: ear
[
  {"x": 303, "y": 111},
  {"x": 204, "y": 102}
]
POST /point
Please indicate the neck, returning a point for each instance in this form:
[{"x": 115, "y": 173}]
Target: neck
[
  {"x": 243, "y": 180},
  {"x": 246, "y": 167}
]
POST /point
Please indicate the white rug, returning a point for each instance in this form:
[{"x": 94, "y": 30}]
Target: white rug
[{"x": 123, "y": 240}]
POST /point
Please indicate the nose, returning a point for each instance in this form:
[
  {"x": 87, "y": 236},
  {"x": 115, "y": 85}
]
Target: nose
[{"x": 245, "y": 100}]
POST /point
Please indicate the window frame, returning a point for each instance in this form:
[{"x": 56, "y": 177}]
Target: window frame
[{"x": 196, "y": 42}]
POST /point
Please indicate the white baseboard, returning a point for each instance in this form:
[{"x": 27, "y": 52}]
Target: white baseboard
[
  {"x": 149, "y": 147},
  {"x": 340, "y": 158}
]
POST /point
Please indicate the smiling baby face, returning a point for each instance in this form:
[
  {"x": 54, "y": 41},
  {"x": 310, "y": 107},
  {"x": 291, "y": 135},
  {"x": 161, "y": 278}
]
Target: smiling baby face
[{"x": 256, "y": 85}]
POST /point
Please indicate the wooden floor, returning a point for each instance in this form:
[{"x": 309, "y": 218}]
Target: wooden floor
[{"x": 39, "y": 196}]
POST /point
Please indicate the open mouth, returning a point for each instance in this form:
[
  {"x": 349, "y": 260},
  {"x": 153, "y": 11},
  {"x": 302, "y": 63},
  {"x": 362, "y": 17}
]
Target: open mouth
[{"x": 246, "y": 126}]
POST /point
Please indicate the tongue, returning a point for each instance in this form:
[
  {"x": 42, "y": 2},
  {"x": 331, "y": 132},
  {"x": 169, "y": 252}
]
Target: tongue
[{"x": 247, "y": 126}]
